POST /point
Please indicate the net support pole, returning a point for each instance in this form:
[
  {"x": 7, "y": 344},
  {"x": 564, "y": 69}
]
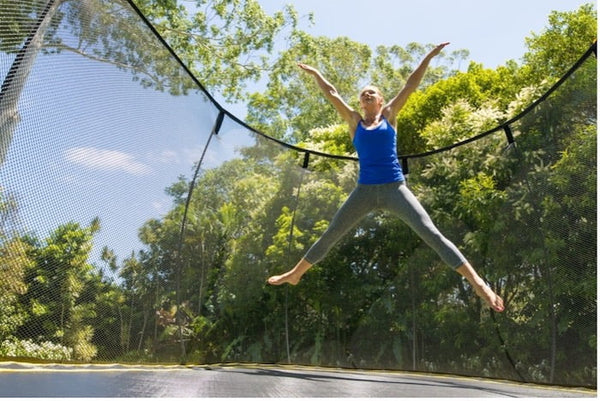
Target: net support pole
[
  {"x": 179, "y": 259},
  {"x": 15, "y": 79},
  {"x": 405, "y": 170},
  {"x": 509, "y": 135},
  {"x": 305, "y": 163}
]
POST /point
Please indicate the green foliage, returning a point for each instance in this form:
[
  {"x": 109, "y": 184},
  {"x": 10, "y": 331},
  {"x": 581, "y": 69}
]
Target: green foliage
[
  {"x": 565, "y": 39},
  {"x": 56, "y": 280},
  {"x": 480, "y": 94},
  {"x": 333, "y": 139},
  {"x": 288, "y": 109},
  {"x": 14, "y": 262},
  {"x": 524, "y": 215},
  {"x": 224, "y": 43}
]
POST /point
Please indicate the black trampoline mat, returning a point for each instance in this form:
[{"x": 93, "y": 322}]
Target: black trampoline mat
[{"x": 248, "y": 380}]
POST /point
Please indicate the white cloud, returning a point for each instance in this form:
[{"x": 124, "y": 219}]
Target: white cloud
[
  {"x": 161, "y": 206},
  {"x": 108, "y": 160},
  {"x": 168, "y": 157},
  {"x": 164, "y": 157}
]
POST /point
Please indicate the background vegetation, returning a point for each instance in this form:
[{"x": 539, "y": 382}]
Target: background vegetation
[{"x": 524, "y": 215}]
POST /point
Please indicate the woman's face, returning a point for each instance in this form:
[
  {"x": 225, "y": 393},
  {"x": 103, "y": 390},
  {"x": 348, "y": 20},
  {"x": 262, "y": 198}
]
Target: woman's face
[{"x": 370, "y": 97}]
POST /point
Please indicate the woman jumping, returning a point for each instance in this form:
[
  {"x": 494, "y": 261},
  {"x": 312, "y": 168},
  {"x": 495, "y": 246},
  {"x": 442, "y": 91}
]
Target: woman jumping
[{"x": 381, "y": 183}]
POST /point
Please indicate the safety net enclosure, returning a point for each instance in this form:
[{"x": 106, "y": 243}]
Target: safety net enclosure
[{"x": 140, "y": 220}]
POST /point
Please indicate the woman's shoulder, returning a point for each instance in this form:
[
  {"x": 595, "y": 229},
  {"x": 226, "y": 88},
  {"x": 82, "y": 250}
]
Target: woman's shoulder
[
  {"x": 388, "y": 115},
  {"x": 353, "y": 119}
]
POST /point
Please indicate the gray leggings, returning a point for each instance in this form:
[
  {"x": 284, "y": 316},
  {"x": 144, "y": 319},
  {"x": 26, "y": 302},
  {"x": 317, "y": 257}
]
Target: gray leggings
[{"x": 397, "y": 198}]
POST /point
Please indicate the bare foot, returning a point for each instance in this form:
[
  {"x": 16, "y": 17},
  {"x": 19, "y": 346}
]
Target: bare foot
[
  {"x": 293, "y": 276},
  {"x": 289, "y": 277},
  {"x": 493, "y": 300}
]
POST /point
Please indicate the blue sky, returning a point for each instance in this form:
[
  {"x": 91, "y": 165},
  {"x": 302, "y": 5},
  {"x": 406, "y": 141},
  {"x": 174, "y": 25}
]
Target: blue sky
[
  {"x": 493, "y": 31},
  {"x": 92, "y": 142}
]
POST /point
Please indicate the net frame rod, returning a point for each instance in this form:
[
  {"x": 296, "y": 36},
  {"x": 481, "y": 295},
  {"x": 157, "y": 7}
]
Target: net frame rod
[
  {"x": 16, "y": 77},
  {"x": 591, "y": 50},
  {"x": 214, "y": 132}
]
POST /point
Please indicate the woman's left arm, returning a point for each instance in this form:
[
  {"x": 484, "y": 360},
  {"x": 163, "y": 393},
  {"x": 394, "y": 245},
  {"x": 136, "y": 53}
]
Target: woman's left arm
[{"x": 394, "y": 106}]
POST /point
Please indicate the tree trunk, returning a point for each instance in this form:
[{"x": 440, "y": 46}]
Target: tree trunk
[{"x": 15, "y": 80}]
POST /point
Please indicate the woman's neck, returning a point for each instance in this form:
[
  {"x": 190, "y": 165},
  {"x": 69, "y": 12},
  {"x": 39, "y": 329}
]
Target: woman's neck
[{"x": 371, "y": 118}]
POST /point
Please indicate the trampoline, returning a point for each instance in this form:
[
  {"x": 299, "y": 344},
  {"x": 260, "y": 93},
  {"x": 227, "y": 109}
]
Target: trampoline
[
  {"x": 249, "y": 380},
  {"x": 139, "y": 220}
]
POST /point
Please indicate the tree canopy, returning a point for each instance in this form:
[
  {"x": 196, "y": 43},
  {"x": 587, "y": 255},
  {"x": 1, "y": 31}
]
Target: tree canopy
[{"x": 524, "y": 214}]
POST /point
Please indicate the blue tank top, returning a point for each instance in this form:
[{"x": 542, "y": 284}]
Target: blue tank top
[{"x": 377, "y": 155}]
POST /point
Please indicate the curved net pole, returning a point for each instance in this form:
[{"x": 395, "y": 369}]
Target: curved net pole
[
  {"x": 15, "y": 79},
  {"x": 179, "y": 259},
  {"x": 505, "y": 125},
  {"x": 289, "y": 252}
]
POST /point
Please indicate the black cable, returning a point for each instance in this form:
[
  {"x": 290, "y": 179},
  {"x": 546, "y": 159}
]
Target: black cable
[
  {"x": 504, "y": 126},
  {"x": 590, "y": 51},
  {"x": 289, "y": 251},
  {"x": 504, "y": 347}
]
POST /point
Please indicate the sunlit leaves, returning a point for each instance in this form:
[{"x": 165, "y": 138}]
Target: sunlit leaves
[{"x": 568, "y": 35}]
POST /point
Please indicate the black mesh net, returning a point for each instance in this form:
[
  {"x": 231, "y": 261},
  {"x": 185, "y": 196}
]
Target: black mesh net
[{"x": 140, "y": 220}]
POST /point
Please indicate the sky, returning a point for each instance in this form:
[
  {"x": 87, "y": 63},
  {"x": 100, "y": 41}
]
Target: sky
[
  {"x": 493, "y": 31},
  {"x": 92, "y": 142}
]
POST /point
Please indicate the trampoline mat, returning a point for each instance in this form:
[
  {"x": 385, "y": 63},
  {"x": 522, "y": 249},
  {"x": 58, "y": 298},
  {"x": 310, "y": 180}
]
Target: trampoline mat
[{"x": 24, "y": 380}]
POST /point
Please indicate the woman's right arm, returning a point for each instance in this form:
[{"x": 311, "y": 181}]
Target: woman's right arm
[{"x": 347, "y": 113}]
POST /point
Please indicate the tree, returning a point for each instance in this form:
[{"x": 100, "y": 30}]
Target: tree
[
  {"x": 291, "y": 103},
  {"x": 224, "y": 43},
  {"x": 14, "y": 263},
  {"x": 524, "y": 215},
  {"x": 55, "y": 284},
  {"x": 569, "y": 34}
]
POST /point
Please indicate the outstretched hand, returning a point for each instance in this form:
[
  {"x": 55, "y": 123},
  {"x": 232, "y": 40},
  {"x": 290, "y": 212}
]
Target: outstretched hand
[
  {"x": 307, "y": 68},
  {"x": 436, "y": 50}
]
